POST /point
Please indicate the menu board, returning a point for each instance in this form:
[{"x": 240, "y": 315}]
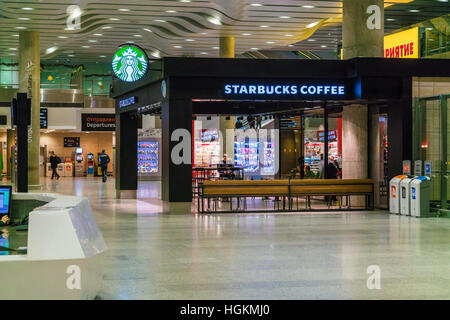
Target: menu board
[
  {"x": 291, "y": 123},
  {"x": 71, "y": 142},
  {"x": 148, "y": 157}
]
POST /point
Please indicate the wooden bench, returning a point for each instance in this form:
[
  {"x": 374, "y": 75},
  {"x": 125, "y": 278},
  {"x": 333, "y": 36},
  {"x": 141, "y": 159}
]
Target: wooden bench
[{"x": 284, "y": 189}]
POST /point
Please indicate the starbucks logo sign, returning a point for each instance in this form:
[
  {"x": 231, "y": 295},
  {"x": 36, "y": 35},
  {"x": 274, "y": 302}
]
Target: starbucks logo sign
[{"x": 130, "y": 64}]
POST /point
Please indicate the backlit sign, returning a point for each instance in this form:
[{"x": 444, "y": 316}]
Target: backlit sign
[
  {"x": 404, "y": 44},
  {"x": 128, "y": 102},
  {"x": 300, "y": 90},
  {"x": 130, "y": 63}
]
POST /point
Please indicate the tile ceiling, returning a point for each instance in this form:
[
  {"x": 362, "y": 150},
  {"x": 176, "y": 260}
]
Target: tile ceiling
[{"x": 189, "y": 27}]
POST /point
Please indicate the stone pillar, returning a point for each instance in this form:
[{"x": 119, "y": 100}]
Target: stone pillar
[
  {"x": 354, "y": 144},
  {"x": 10, "y": 137},
  {"x": 226, "y": 48},
  {"x": 358, "y": 40},
  {"x": 30, "y": 82}
]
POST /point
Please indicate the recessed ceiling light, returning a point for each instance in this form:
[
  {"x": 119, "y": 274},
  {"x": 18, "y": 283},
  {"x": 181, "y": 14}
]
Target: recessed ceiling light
[
  {"x": 285, "y": 17},
  {"x": 20, "y": 27},
  {"x": 13, "y": 49},
  {"x": 270, "y": 42},
  {"x": 390, "y": 19},
  {"x": 289, "y": 35},
  {"x": 15, "y": 35},
  {"x": 311, "y": 40},
  {"x": 246, "y": 34},
  {"x": 203, "y": 52},
  {"x": 263, "y": 26},
  {"x": 24, "y": 19},
  {"x": 92, "y": 41},
  {"x": 254, "y": 48},
  {"x": 312, "y": 25},
  {"x": 324, "y": 46},
  {"x": 429, "y": 29},
  {"x": 443, "y": 0},
  {"x": 290, "y": 45},
  {"x": 138, "y": 36},
  {"x": 27, "y": 9},
  {"x": 185, "y": 0},
  {"x": 12, "y": 54},
  {"x": 177, "y": 47},
  {"x": 71, "y": 55},
  {"x": 256, "y": 5},
  {"x": 170, "y": 11},
  {"x": 86, "y": 47},
  {"x": 51, "y": 50},
  {"x": 155, "y": 54},
  {"x": 309, "y": 7},
  {"x": 215, "y": 48},
  {"x": 159, "y": 20},
  {"x": 62, "y": 37},
  {"x": 102, "y": 56},
  {"x": 98, "y": 34},
  {"x": 189, "y": 40},
  {"x": 124, "y": 9},
  {"x": 106, "y": 27},
  {"x": 114, "y": 19},
  {"x": 148, "y": 30},
  {"x": 414, "y": 10},
  {"x": 204, "y": 33},
  {"x": 214, "y": 20}
]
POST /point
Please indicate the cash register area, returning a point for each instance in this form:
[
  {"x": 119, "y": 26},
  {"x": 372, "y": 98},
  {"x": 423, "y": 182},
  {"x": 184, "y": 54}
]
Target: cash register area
[{"x": 157, "y": 255}]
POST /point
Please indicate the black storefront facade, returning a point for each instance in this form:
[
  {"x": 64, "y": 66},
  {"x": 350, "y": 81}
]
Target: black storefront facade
[{"x": 190, "y": 86}]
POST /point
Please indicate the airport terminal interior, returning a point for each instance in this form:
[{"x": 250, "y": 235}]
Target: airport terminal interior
[{"x": 224, "y": 149}]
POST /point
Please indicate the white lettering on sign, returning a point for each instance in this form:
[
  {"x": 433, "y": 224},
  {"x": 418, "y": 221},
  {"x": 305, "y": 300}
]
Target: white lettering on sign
[
  {"x": 74, "y": 280},
  {"x": 288, "y": 90},
  {"x": 374, "y": 20}
]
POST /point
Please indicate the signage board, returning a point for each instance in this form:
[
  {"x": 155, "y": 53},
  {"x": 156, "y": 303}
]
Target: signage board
[
  {"x": 418, "y": 168},
  {"x": 332, "y": 135},
  {"x": 98, "y": 122},
  {"x": 404, "y": 44},
  {"x": 128, "y": 102},
  {"x": 130, "y": 63},
  {"x": 71, "y": 142},
  {"x": 289, "y": 90},
  {"x": 43, "y": 118}
]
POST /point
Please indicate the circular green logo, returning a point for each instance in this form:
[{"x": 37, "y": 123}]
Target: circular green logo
[{"x": 130, "y": 64}]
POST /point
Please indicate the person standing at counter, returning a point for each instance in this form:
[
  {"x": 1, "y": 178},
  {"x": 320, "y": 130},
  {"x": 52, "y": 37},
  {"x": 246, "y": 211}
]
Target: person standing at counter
[{"x": 54, "y": 161}]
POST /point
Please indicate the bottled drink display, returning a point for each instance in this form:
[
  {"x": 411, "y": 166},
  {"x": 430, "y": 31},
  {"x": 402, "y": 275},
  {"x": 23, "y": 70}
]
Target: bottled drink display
[{"x": 148, "y": 157}]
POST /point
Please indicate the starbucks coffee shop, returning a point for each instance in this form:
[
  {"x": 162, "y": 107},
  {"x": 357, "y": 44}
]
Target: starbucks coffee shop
[{"x": 370, "y": 95}]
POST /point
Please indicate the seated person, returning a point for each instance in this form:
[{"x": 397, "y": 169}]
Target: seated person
[{"x": 223, "y": 168}]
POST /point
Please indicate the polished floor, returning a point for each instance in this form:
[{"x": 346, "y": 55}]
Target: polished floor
[{"x": 155, "y": 255}]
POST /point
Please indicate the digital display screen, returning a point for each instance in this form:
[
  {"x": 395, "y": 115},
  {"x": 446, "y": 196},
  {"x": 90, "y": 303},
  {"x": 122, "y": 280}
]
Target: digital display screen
[
  {"x": 79, "y": 150},
  {"x": 5, "y": 200}
]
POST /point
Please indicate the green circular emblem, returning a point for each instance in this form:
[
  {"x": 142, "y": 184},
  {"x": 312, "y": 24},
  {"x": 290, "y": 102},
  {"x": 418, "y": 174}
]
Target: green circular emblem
[{"x": 130, "y": 64}]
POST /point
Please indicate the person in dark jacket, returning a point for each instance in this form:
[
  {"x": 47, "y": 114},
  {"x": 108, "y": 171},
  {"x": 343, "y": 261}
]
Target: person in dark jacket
[
  {"x": 103, "y": 160},
  {"x": 54, "y": 161}
]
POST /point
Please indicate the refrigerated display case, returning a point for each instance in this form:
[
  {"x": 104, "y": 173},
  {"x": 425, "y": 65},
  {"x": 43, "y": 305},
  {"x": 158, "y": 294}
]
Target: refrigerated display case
[
  {"x": 269, "y": 158},
  {"x": 207, "y": 148},
  {"x": 148, "y": 161}
]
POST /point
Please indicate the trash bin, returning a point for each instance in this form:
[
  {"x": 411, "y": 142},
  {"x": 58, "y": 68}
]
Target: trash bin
[
  {"x": 68, "y": 169},
  {"x": 405, "y": 197},
  {"x": 394, "y": 194},
  {"x": 61, "y": 170},
  {"x": 420, "y": 197}
]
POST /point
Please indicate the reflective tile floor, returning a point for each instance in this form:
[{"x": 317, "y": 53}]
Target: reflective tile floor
[{"x": 286, "y": 256}]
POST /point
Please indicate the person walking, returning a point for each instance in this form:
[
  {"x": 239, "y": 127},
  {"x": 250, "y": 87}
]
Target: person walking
[
  {"x": 54, "y": 161},
  {"x": 103, "y": 160}
]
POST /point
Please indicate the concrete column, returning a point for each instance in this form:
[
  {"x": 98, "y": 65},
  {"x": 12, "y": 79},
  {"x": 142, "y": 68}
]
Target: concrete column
[
  {"x": 358, "y": 39},
  {"x": 10, "y": 136},
  {"x": 30, "y": 82},
  {"x": 227, "y": 132},
  {"x": 354, "y": 144},
  {"x": 226, "y": 48}
]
